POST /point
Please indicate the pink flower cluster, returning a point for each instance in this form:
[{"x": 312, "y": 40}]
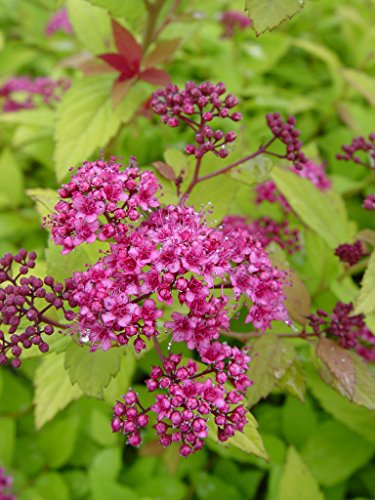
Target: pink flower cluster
[
  {"x": 186, "y": 398},
  {"x": 349, "y": 330},
  {"x": 97, "y": 201},
  {"x": 59, "y": 21},
  {"x": 369, "y": 202},
  {"x": 232, "y": 21},
  {"x": 197, "y": 106},
  {"x": 174, "y": 257},
  {"x": 23, "y": 304},
  {"x": 20, "y": 92},
  {"x": 6, "y": 483},
  {"x": 350, "y": 253}
]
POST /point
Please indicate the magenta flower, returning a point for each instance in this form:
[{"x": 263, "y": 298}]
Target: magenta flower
[
  {"x": 233, "y": 20},
  {"x": 59, "y": 21}
]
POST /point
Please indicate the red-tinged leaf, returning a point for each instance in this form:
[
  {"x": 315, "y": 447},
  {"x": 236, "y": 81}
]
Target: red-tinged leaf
[
  {"x": 155, "y": 76},
  {"x": 119, "y": 91},
  {"x": 119, "y": 63},
  {"x": 126, "y": 44},
  {"x": 339, "y": 362},
  {"x": 163, "y": 52},
  {"x": 95, "y": 67},
  {"x": 165, "y": 170}
]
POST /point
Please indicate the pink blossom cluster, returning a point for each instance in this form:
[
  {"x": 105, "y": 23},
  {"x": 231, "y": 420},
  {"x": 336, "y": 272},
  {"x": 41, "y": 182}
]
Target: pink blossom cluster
[
  {"x": 6, "y": 483},
  {"x": 186, "y": 398},
  {"x": 349, "y": 330},
  {"x": 232, "y": 20},
  {"x": 173, "y": 257},
  {"x": 360, "y": 151},
  {"x": 197, "y": 106},
  {"x": 98, "y": 199},
  {"x": 23, "y": 304},
  {"x": 266, "y": 230},
  {"x": 20, "y": 92},
  {"x": 59, "y": 21},
  {"x": 369, "y": 202},
  {"x": 350, "y": 253}
]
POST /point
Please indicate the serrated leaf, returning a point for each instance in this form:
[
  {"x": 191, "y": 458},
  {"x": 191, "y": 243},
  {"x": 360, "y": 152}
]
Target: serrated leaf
[
  {"x": 346, "y": 450},
  {"x": 249, "y": 441},
  {"x": 364, "y": 393},
  {"x": 86, "y": 120},
  {"x": 293, "y": 381},
  {"x": 298, "y": 300},
  {"x": 365, "y": 303},
  {"x": 45, "y": 200},
  {"x": 92, "y": 371},
  {"x": 35, "y": 117},
  {"x": 316, "y": 209},
  {"x": 268, "y": 14},
  {"x": 270, "y": 359},
  {"x": 357, "y": 418},
  {"x": 53, "y": 388},
  {"x": 297, "y": 480},
  {"x": 339, "y": 362},
  {"x": 253, "y": 171},
  {"x": 121, "y": 382},
  {"x": 91, "y": 25}
]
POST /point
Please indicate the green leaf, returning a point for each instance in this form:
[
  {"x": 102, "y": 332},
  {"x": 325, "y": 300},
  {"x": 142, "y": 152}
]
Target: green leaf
[
  {"x": 45, "y": 200},
  {"x": 297, "y": 480},
  {"x": 250, "y": 441},
  {"x": 100, "y": 428},
  {"x": 7, "y": 440},
  {"x": 270, "y": 359},
  {"x": 86, "y": 120},
  {"x": 92, "y": 371},
  {"x": 52, "y": 485},
  {"x": 316, "y": 209},
  {"x": 365, "y": 303},
  {"x": 364, "y": 393},
  {"x": 298, "y": 300},
  {"x": 357, "y": 418},
  {"x": 299, "y": 420},
  {"x": 106, "y": 465},
  {"x": 347, "y": 452},
  {"x": 63, "y": 266},
  {"x": 119, "y": 8},
  {"x": 362, "y": 83},
  {"x": 62, "y": 433},
  {"x": 293, "y": 381},
  {"x": 121, "y": 382},
  {"x": 90, "y": 24},
  {"x": 53, "y": 389},
  {"x": 268, "y": 14},
  {"x": 35, "y": 117},
  {"x": 11, "y": 180},
  {"x": 253, "y": 171}
]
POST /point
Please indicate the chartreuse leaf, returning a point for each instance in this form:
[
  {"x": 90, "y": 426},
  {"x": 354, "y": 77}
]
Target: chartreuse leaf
[
  {"x": 249, "y": 441},
  {"x": 52, "y": 485},
  {"x": 86, "y": 120},
  {"x": 63, "y": 266},
  {"x": 53, "y": 388},
  {"x": 121, "y": 382},
  {"x": 347, "y": 452},
  {"x": 268, "y": 14},
  {"x": 366, "y": 299},
  {"x": 45, "y": 200},
  {"x": 253, "y": 171},
  {"x": 299, "y": 420},
  {"x": 62, "y": 432},
  {"x": 11, "y": 180},
  {"x": 119, "y": 8},
  {"x": 92, "y": 371},
  {"x": 270, "y": 359},
  {"x": 91, "y": 25},
  {"x": 7, "y": 440},
  {"x": 362, "y": 83},
  {"x": 357, "y": 418},
  {"x": 297, "y": 480},
  {"x": 322, "y": 212}
]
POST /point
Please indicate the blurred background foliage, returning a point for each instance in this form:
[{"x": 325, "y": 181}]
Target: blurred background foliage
[{"x": 319, "y": 66}]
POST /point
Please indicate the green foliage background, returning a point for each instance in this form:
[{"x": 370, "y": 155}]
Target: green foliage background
[{"x": 54, "y": 411}]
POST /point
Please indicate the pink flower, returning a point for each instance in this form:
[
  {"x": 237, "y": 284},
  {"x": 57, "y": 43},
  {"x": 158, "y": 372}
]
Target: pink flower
[{"x": 59, "y": 21}]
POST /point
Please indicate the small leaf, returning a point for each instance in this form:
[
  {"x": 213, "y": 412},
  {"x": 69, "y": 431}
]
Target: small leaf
[
  {"x": 52, "y": 485},
  {"x": 120, "y": 63},
  {"x": 126, "y": 44},
  {"x": 163, "y": 52},
  {"x": 316, "y": 209},
  {"x": 155, "y": 76},
  {"x": 53, "y": 389},
  {"x": 270, "y": 359},
  {"x": 298, "y": 300},
  {"x": 365, "y": 303},
  {"x": 268, "y": 14},
  {"x": 293, "y": 381},
  {"x": 165, "y": 170},
  {"x": 339, "y": 362},
  {"x": 297, "y": 480},
  {"x": 92, "y": 371},
  {"x": 249, "y": 441},
  {"x": 253, "y": 171},
  {"x": 45, "y": 200}
]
